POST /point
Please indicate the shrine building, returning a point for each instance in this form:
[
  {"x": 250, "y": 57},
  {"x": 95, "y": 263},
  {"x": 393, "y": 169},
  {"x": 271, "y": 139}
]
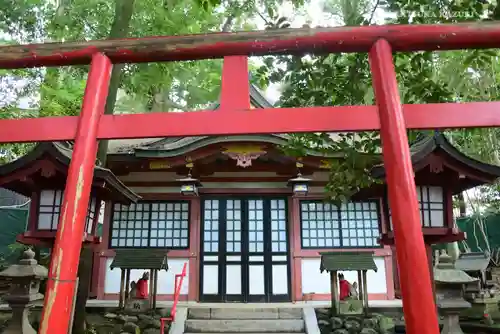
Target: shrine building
[{"x": 249, "y": 220}]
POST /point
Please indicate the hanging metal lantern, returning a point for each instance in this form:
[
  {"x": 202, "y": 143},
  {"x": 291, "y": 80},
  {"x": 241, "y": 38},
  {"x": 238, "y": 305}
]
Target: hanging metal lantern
[
  {"x": 299, "y": 185},
  {"x": 189, "y": 185}
]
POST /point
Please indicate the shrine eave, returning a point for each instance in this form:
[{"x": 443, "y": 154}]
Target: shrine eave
[
  {"x": 347, "y": 261},
  {"x": 203, "y": 151},
  {"x": 140, "y": 259},
  {"x": 61, "y": 153},
  {"x": 175, "y": 147},
  {"x": 422, "y": 149},
  {"x": 189, "y": 144}
]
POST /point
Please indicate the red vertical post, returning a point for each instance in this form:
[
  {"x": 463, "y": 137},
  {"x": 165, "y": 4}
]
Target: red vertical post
[
  {"x": 61, "y": 285},
  {"x": 235, "y": 88},
  {"x": 418, "y": 300}
]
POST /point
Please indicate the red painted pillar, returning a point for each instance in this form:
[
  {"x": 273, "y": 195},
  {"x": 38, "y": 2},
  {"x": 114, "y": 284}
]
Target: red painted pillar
[
  {"x": 235, "y": 90},
  {"x": 61, "y": 287},
  {"x": 418, "y": 300}
]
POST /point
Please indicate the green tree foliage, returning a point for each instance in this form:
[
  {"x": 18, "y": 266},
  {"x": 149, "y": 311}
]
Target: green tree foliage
[
  {"x": 342, "y": 79},
  {"x": 424, "y": 77},
  {"x": 136, "y": 87}
]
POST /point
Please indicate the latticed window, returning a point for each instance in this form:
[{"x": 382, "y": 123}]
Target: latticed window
[
  {"x": 91, "y": 215},
  {"x": 151, "y": 224},
  {"x": 431, "y": 202},
  {"x": 431, "y": 205},
  {"x": 49, "y": 210},
  {"x": 324, "y": 225}
]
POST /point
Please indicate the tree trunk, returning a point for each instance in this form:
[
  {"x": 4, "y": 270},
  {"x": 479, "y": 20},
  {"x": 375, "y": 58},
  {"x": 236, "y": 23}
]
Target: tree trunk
[
  {"x": 461, "y": 205},
  {"x": 119, "y": 29},
  {"x": 82, "y": 293}
]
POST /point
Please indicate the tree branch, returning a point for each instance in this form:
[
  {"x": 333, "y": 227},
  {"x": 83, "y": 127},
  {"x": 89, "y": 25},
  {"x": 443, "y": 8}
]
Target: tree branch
[
  {"x": 373, "y": 12},
  {"x": 175, "y": 105},
  {"x": 263, "y": 18},
  {"x": 229, "y": 23},
  {"x": 119, "y": 29}
]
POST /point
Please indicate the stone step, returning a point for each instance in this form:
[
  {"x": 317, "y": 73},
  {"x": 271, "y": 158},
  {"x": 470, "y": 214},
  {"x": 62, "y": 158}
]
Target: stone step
[
  {"x": 240, "y": 333},
  {"x": 245, "y": 313},
  {"x": 245, "y": 326}
]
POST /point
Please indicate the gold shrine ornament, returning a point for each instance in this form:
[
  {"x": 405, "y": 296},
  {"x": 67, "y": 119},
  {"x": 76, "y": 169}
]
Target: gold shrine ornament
[
  {"x": 325, "y": 164},
  {"x": 244, "y": 154},
  {"x": 160, "y": 164}
]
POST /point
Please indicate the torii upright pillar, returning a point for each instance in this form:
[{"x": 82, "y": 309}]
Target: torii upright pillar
[
  {"x": 418, "y": 300},
  {"x": 62, "y": 280}
]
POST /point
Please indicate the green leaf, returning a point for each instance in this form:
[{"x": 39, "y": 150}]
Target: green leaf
[{"x": 270, "y": 12}]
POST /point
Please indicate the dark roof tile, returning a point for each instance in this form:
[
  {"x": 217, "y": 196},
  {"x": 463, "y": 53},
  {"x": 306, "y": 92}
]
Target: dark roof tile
[
  {"x": 347, "y": 261},
  {"x": 476, "y": 261},
  {"x": 140, "y": 259},
  {"x": 62, "y": 153}
]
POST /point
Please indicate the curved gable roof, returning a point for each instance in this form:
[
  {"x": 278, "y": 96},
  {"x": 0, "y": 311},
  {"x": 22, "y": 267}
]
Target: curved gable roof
[
  {"x": 173, "y": 147},
  {"x": 176, "y": 146},
  {"x": 62, "y": 152},
  {"x": 180, "y": 146},
  {"x": 422, "y": 148},
  {"x": 257, "y": 99}
]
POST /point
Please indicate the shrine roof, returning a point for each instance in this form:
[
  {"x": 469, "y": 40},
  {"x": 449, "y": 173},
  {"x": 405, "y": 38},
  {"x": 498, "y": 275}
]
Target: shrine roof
[
  {"x": 476, "y": 261},
  {"x": 456, "y": 276},
  {"x": 142, "y": 259},
  {"x": 61, "y": 152},
  {"x": 422, "y": 148},
  {"x": 347, "y": 261},
  {"x": 177, "y": 146},
  {"x": 257, "y": 99},
  {"x": 171, "y": 147},
  {"x": 174, "y": 147}
]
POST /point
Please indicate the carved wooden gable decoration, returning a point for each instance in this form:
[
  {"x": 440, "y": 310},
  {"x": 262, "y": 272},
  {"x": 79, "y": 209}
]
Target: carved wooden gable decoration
[{"x": 244, "y": 154}]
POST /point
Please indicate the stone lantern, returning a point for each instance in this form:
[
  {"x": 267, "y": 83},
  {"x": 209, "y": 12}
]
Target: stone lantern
[
  {"x": 482, "y": 295},
  {"x": 25, "y": 280},
  {"x": 450, "y": 300}
]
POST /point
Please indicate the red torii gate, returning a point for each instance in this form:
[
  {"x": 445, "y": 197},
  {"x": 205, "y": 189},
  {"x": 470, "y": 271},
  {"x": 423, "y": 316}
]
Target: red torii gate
[{"x": 235, "y": 117}]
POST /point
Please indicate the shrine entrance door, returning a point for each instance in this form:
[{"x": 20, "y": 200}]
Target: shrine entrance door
[{"x": 244, "y": 250}]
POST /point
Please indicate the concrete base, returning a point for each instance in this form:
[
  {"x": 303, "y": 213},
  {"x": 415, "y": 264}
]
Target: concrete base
[
  {"x": 395, "y": 303},
  {"x": 245, "y": 320},
  {"x": 97, "y": 303},
  {"x": 241, "y": 313},
  {"x": 310, "y": 320},
  {"x": 179, "y": 324},
  {"x": 137, "y": 306},
  {"x": 245, "y": 326}
]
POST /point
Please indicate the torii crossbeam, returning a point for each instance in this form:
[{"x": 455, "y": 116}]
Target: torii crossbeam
[{"x": 235, "y": 117}]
